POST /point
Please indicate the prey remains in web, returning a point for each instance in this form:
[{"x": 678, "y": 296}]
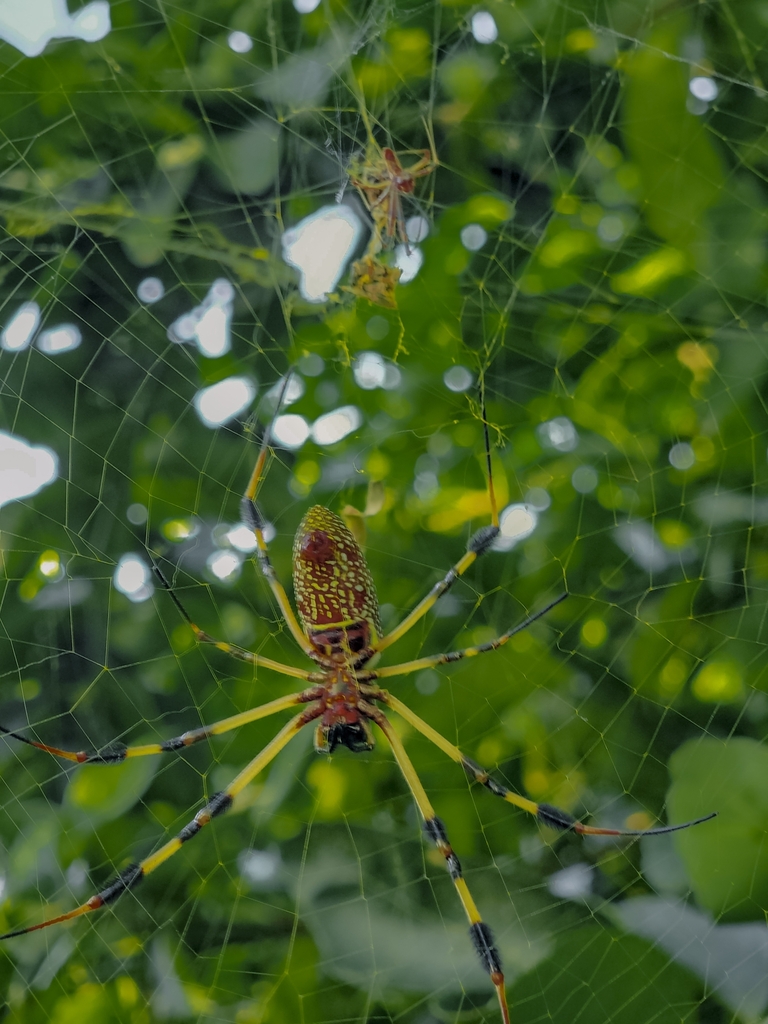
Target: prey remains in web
[
  {"x": 339, "y": 629},
  {"x": 381, "y": 181}
]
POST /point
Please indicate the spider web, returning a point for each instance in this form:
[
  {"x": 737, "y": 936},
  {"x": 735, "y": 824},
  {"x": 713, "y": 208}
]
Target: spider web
[{"x": 592, "y": 246}]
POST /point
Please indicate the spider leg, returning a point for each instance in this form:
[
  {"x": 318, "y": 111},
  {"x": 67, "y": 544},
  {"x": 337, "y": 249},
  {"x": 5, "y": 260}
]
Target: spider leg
[
  {"x": 393, "y": 214},
  {"x": 398, "y": 217},
  {"x": 218, "y": 804},
  {"x": 546, "y": 814},
  {"x": 252, "y": 515},
  {"x": 479, "y": 932},
  {"x": 478, "y": 544},
  {"x": 381, "y": 214},
  {"x": 375, "y": 194},
  {"x": 383, "y": 189},
  {"x": 395, "y": 219},
  {"x": 403, "y": 180},
  {"x": 115, "y": 753},
  {"x": 423, "y": 167},
  {"x": 235, "y": 652},
  {"x": 432, "y": 660}
]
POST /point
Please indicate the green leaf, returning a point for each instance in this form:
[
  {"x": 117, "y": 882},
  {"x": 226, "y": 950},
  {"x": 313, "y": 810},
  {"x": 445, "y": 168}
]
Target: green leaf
[{"x": 726, "y": 859}]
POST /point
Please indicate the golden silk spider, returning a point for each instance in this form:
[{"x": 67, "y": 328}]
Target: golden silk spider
[{"x": 338, "y": 628}]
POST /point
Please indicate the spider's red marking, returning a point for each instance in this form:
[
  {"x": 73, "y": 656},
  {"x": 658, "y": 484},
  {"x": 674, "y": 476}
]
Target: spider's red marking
[{"x": 317, "y": 547}]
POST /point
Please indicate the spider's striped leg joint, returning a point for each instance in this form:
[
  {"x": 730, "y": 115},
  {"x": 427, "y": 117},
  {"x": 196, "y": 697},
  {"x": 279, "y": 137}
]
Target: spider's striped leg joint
[
  {"x": 479, "y": 932},
  {"x": 251, "y": 514},
  {"x": 435, "y": 829},
  {"x": 443, "y": 586},
  {"x": 479, "y": 774},
  {"x": 218, "y": 804},
  {"x": 553, "y": 817},
  {"x": 131, "y": 876},
  {"x": 134, "y": 873},
  {"x": 480, "y": 541},
  {"x": 186, "y": 740},
  {"x": 482, "y": 940},
  {"x": 113, "y": 754}
]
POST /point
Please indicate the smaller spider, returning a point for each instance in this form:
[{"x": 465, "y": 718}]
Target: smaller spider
[{"x": 381, "y": 179}]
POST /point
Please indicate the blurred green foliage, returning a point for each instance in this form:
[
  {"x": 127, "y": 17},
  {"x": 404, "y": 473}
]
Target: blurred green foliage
[{"x": 615, "y": 307}]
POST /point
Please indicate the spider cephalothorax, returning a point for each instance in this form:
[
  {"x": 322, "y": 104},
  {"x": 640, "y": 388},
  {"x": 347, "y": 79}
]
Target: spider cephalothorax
[{"x": 343, "y": 726}]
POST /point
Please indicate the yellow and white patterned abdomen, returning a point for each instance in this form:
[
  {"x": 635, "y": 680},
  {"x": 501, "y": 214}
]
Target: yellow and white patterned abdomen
[{"x": 331, "y": 578}]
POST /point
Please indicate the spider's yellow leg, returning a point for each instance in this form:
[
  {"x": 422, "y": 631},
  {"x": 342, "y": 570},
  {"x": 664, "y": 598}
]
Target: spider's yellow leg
[
  {"x": 231, "y": 649},
  {"x": 380, "y": 214},
  {"x": 479, "y": 932},
  {"x": 251, "y": 514},
  {"x": 394, "y": 212},
  {"x": 546, "y": 813},
  {"x": 114, "y": 753},
  {"x": 478, "y": 544},
  {"x": 425, "y": 166},
  {"x": 218, "y": 804},
  {"x": 433, "y": 660}
]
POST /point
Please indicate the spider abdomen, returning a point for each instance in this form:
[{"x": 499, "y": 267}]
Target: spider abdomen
[{"x": 335, "y": 595}]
